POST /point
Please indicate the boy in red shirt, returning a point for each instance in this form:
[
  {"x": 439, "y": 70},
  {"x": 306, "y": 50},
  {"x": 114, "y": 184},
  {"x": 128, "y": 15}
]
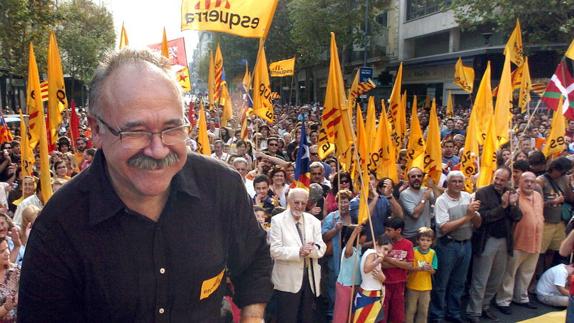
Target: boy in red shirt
[{"x": 396, "y": 266}]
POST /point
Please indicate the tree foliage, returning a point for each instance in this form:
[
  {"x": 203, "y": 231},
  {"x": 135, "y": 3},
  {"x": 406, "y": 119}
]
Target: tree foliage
[
  {"x": 85, "y": 34},
  {"x": 542, "y": 21},
  {"x": 22, "y": 22},
  {"x": 84, "y": 31}
]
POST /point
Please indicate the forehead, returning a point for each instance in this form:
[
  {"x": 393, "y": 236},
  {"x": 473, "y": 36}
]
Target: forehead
[
  {"x": 140, "y": 87},
  {"x": 299, "y": 197}
]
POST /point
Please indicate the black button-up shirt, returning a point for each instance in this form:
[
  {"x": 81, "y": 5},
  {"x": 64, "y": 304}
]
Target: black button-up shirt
[{"x": 90, "y": 259}]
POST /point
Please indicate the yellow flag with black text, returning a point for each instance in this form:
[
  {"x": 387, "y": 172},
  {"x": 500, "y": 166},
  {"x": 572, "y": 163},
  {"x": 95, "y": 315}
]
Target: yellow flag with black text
[
  {"x": 262, "y": 105},
  {"x": 282, "y": 68},
  {"x": 225, "y": 101},
  {"x": 433, "y": 149},
  {"x": 203, "y": 146},
  {"x": 416, "y": 143},
  {"x": 336, "y": 119},
  {"x": 449, "y": 105},
  {"x": 502, "y": 113},
  {"x": 386, "y": 165},
  {"x": 361, "y": 146},
  {"x": 514, "y": 48},
  {"x": 483, "y": 109},
  {"x": 463, "y": 76},
  {"x": 555, "y": 143},
  {"x": 245, "y": 18},
  {"x": 57, "y": 101},
  {"x": 488, "y": 158},
  {"x": 35, "y": 101},
  {"x": 395, "y": 106},
  {"x": 468, "y": 160},
  {"x": 27, "y": 159},
  {"x": 525, "y": 87}
]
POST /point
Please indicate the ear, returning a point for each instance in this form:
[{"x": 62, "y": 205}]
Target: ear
[{"x": 96, "y": 135}]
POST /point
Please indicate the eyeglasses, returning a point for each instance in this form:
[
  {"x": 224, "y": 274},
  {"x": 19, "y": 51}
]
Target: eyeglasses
[{"x": 140, "y": 139}]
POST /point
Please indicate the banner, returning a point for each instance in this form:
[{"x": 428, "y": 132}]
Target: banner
[
  {"x": 282, "y": 68},
  {"x": 176, "y": 50},
  {"x": 245, "y": 18}
]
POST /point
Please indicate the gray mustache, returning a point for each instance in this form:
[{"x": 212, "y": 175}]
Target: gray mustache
[{"x": 142, "y": 161}]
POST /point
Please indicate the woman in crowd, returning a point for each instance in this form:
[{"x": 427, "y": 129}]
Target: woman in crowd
[
  {"x": 9, "y": 277},
  {"x": 61, "y": 170},
  {"x": 29, "y": 216},
  {"x": 339, "y": 182},
  {"x": 278, "y": 184}
]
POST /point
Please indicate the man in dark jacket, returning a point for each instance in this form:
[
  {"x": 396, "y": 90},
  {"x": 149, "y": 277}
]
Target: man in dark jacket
[{"x": 492, "y": 243}]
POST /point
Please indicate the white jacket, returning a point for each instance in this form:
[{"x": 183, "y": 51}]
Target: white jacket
[{"x": 285, "y": 244}]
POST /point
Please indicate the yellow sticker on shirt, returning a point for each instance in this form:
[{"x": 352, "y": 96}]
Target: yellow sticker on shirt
[{"x": 210, "y": 285}]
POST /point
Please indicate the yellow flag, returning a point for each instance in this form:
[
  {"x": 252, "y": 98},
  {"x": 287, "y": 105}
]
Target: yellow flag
[
  {"x": 395, "y": 106},
  {"x": 211, "y": 82},
  {"x": 246, "y": 82},
  {"x": 402, "y": 120},
  {"x": 525, "y": 87},
  {"x": 245, "y": 18},
  {"x": 449, "y": 105},
  {"x": 218, "y": 68},
  {"x": 262, "y": 105},
  {"x": 227, "y": 112},
  {"x": 502, "y": 113},
  {"x": 202, "y": 138},
  {"x": 336, "y": 118},
  {"x": 27, "y": 159},
  {"x": 35, "y": 104},
  {"x": 463, "y": 76},
  {"x": 470, "y": 153},
  {"x": 282, "y": 68},
  {"x": 482, "y": 109},
  {"x": 514, "y": 47},
  {"x": 361, "y": 147},
  {"x": 488, "y": 158},
  {"x": 371, "y": 123},
  {"x": 34, "y": 101},
  {"x": 364, "y": 199},
  {"x": 555, "y": 143},
  {"x": 57, "y": 101},
  {"x": 416, "y": 144},
  {"x": 386, "y": 165},
  {"x": 183, "y": 79},
  {"x": 164, "y": 48},
  {"x": 123, "y": 38},
  {"x": 433, "y": 150}
]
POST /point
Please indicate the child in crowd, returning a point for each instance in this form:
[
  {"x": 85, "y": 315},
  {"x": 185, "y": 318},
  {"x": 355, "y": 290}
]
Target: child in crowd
[
  {"x": 349, "y": 276},
  {"x": 419, "y": 282},
  {"x": 368, "y": 302},
  {"x": 396, "y": 266}
]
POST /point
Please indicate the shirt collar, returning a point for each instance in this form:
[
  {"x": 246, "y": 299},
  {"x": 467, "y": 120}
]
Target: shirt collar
[{"x": 105, "y": 203}]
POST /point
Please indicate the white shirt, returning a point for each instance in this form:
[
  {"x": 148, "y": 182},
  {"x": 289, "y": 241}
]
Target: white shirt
[
  {"x": 224, "y": 156},
  {"x": 30, "y": 200},
  {"x": 555, "y": 276},
  {"x": 369, "y": 282}
]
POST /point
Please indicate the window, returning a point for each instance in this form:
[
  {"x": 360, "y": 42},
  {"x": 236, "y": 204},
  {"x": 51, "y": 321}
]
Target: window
[{"x": 420, "y": 8}]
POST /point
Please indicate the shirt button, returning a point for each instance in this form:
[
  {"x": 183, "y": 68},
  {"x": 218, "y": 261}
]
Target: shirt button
[
  {"x": 161, "y": 310},
  {"x": 162, "y": 271}
]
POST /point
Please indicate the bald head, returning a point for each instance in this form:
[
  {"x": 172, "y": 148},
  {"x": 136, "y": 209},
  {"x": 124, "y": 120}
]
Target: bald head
[{"x": 527, "y": 183}]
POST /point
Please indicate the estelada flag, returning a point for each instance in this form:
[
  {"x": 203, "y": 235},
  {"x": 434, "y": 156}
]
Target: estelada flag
[
  {"x": 219, "y": 78},
  {"x": 282, "y": 68},
  {"x": 562, "y": 85},
  {"x": 358, "y": 88},
  {"x": 463, "y": 76},
  {"x": 182, "y": 75},
  {"x": 245, "y": 18},
  {"x": 302, "y": 170},
  {"x": 5, "y": 134}
]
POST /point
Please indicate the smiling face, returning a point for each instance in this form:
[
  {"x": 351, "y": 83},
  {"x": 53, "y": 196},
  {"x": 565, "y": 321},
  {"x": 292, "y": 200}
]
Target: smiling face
[{"x": 148, "y": 102}]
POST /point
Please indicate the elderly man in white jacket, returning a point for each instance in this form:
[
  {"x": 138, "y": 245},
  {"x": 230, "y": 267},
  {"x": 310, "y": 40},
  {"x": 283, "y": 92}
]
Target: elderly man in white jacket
[{"x": 296, "y": 244}]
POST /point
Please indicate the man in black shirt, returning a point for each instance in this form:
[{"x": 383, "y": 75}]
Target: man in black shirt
[
  {"x": 492, "y": 243},
  {"x": 148, "y": 233}
]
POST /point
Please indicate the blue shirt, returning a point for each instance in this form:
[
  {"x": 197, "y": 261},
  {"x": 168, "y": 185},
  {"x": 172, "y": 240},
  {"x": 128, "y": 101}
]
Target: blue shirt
[
  {"x": 328, "y": 223},
  {"x": 380, "y": 213}
]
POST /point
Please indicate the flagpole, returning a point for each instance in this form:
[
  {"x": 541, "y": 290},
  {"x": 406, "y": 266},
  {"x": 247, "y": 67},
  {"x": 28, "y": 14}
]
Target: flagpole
[{"x": 291, "y": 88}]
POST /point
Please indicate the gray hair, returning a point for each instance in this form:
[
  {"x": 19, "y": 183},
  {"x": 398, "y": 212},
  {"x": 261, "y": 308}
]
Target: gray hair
[
  {"x": 317, "y": 164},
  {"x": 296, "y": 191},
  {"x": 454, "y": 173},
  {"x": 239, "y": 160},
  {"x": 115, "y": 60}
]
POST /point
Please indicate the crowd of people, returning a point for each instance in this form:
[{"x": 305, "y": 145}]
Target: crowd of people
[{"x": 429, "y": 251}]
